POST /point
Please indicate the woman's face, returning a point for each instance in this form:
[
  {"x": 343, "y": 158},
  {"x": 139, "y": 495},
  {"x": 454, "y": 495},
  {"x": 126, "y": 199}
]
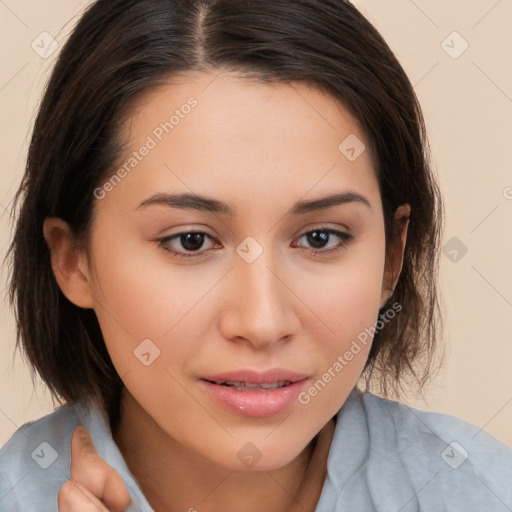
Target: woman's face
[{"x": 247, "y": 292}]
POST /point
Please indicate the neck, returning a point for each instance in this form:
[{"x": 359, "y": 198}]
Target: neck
[{"x": 184, "y": 480}]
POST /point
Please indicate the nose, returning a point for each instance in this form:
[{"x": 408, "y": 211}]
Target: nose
[{"x": 260, "y": 306}]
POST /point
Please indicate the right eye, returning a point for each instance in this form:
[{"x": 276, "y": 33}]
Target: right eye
[{"x": 191, "y": 241}]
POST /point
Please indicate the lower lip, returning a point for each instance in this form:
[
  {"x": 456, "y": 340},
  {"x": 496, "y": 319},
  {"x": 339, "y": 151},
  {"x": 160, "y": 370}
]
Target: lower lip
[{"x": 257, "y": 404}]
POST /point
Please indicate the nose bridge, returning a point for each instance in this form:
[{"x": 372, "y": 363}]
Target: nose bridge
[
  {"x": 260, "y": 309},
  {"x": 260, "y": 282}
]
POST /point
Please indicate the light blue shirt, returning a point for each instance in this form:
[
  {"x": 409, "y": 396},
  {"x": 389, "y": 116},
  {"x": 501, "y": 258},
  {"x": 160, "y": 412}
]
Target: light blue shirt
[{"x": 384, "y": 457}]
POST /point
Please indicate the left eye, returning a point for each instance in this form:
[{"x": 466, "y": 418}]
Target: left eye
[
  {"x": 193, "y": 241},
  {"x": 319, "y": 238}
]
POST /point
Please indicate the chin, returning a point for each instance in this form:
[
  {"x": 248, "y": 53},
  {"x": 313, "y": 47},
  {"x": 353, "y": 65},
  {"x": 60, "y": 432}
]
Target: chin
[{"x": 255, "y": 456}]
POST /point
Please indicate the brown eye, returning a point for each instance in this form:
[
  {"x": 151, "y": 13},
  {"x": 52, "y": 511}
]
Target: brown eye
[
  {"x": 182, "y": 243},
  {"x": 192, "y": 241},
  {"x": 319, "y": 238}
]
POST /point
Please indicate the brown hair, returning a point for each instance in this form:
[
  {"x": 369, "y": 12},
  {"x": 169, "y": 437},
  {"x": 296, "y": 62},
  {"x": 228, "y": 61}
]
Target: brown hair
[{"x": 121, "y": 48}]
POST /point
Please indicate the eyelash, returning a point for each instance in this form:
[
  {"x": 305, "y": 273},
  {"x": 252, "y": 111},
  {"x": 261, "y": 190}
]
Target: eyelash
[{"x": 345, "y": 240}]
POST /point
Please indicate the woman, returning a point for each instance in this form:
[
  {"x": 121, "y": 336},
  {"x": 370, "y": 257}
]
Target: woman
[{"x": 229, "y": 220}]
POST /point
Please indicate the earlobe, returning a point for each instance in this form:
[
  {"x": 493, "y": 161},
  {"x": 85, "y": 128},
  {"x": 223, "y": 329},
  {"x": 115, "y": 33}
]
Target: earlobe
[
  {"x": 395, "y": 258},
  {"x": 68, "y": 262}
]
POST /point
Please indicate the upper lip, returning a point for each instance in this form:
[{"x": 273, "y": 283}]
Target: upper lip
[{"x": 256, "y": 377}]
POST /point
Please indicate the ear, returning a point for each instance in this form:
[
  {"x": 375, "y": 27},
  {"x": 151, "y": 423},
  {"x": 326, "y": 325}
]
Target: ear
[
  {"x": 395, "y": 258},
  {"x": 68, "y": 262}
]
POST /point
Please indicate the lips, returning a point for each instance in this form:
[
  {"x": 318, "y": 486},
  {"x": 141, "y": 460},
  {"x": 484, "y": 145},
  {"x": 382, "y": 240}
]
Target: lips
[
  {"x": 253, "y": 386},
  {"x": 249, "y": 378},
  {"x": 254, "y": 394}
]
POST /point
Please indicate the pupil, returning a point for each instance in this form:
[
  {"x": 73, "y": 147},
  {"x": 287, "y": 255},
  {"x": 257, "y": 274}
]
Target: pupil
[
  {"x": 318, "y": 238},
  {"x": 192, "y": 241}
]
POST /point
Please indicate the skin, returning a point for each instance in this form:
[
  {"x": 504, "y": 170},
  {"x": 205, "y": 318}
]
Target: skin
[
  {"x": 259, "y": 148},
  {"x": 94, "y": 485}
]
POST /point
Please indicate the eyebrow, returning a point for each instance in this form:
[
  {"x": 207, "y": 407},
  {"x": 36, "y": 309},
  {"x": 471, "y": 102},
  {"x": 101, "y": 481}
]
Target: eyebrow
[{"x": 206, "y": 204}]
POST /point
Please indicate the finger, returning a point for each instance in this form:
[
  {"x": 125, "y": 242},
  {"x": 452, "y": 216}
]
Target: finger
[
  {"x": 92, "y": 472},
  {"x": 73, "y": 497}
]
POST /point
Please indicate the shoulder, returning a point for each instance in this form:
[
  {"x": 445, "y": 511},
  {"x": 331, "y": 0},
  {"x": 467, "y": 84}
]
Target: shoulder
[
  {"x": 449, "y": 460},
  {"x": 35, "y": 461}
]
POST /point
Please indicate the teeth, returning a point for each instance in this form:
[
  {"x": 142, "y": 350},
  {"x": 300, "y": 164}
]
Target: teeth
[
  {"x": 250, "y": 385},
  {"x": 253, "y": 385},
  {"x": 273, "y": 385}
]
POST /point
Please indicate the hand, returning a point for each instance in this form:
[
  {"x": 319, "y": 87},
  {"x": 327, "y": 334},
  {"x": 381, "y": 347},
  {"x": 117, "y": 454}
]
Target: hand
[{"x": 94, "y": 486}]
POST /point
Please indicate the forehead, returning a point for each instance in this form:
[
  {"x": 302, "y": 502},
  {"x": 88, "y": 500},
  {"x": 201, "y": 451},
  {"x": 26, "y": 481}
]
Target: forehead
[
  {"x": 221, "y": 132},
  {"x": 230, "y": 103}
]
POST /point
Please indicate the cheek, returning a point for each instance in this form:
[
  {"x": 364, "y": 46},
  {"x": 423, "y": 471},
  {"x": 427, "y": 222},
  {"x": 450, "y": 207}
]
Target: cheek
[
  {"x": 348, "y": 305},
  {"x": 348, "y": 297},
  {"x": 141, "y": 298}
]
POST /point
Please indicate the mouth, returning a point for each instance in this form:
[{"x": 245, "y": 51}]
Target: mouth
[
  {"x": 251, "y": 386},
  {"x": 254, "y": 394},
  {"x": 268, "y": 379}
]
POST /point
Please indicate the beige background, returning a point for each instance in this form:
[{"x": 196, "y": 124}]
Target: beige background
[{"x": 467, "y": 103}]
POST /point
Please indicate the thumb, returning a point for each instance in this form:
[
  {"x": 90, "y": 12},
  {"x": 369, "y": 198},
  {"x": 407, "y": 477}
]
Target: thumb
[
  {"x": 90, "y": 471},
  {"x": 73, "y": 498}
]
